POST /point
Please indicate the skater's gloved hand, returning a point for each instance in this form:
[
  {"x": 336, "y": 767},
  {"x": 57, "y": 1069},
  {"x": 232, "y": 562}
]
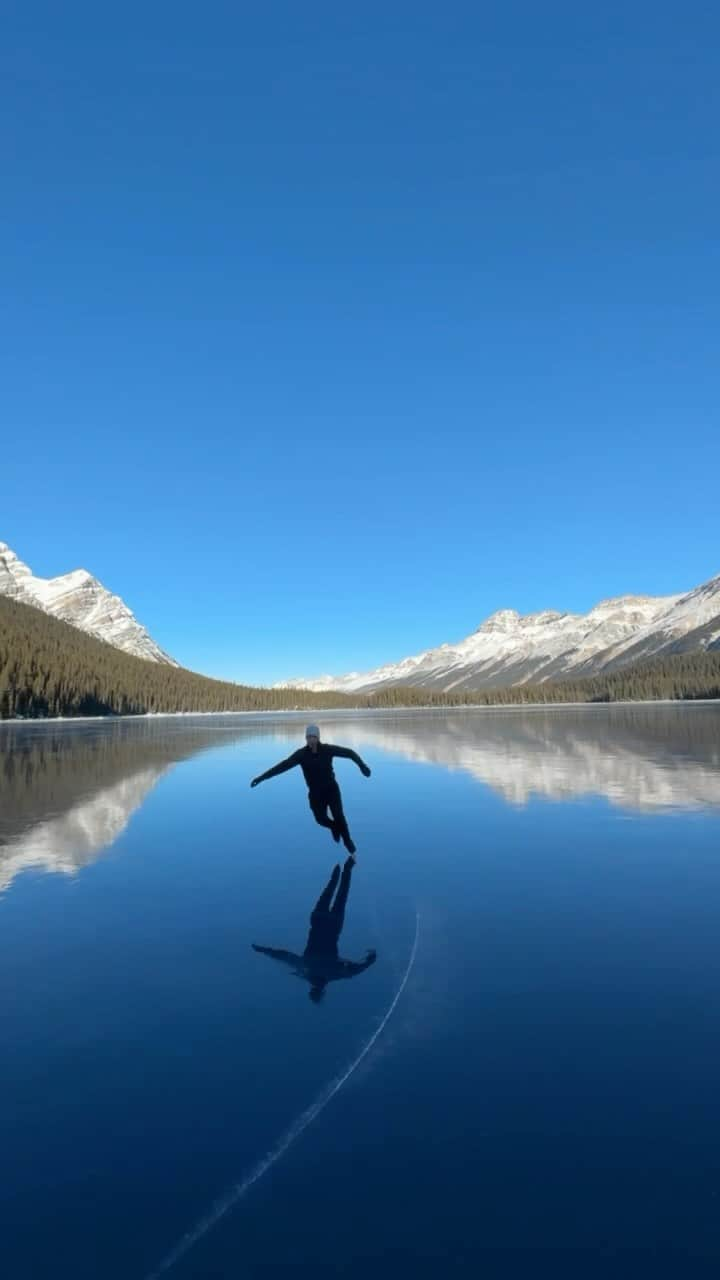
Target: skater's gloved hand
[
  {"x": 254, "y": 782},
  {"x": 365, "y": 770},
  {"x": 372, "y": 954}
]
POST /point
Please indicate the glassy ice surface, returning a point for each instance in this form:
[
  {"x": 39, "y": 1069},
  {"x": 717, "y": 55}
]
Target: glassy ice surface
[{"x": 539, "y": 1084}]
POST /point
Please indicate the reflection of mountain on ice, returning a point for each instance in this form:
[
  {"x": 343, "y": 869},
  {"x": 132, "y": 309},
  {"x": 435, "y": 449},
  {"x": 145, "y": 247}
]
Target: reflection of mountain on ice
[
  {"x": 641, "y": 758},
  {"x": 73, "y": 839},
  {"x": 68, "y": 791},
  {"x": 576, "y": 768},
  {"x": 66, "y": 794}
]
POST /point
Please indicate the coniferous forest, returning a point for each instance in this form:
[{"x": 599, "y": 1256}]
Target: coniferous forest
[{"x": 48, "y": 668}]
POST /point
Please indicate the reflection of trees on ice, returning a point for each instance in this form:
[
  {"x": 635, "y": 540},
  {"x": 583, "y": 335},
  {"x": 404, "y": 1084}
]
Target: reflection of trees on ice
[
  {"x": 75, "y": 838},
  {"x": 68, "y": 791},
  {"x": 66, "y": 794}
]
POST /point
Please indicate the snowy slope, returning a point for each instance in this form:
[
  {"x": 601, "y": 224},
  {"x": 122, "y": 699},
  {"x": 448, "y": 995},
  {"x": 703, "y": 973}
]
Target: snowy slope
[
  {"x": 81, "y": 600},
  {"x": 691, "y": 622},
  {"x": 510, "y": 649}
]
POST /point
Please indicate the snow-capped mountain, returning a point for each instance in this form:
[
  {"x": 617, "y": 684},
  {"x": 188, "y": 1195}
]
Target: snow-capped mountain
[
  {"x": 509, "y": 649},
  {"x": 81, "y": 600}
]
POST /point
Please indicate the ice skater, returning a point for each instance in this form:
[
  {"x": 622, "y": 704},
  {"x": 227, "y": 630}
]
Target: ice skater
[
  {"x": 320, "y": 963},
  {"x": 316, "y": 761}
]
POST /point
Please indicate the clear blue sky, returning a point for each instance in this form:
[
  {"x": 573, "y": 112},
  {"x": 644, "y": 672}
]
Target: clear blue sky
[{"x": 329, "y": 329}]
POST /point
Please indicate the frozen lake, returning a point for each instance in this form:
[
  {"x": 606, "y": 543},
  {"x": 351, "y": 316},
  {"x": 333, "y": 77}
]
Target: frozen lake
[{"x": 527, "y": 1073}]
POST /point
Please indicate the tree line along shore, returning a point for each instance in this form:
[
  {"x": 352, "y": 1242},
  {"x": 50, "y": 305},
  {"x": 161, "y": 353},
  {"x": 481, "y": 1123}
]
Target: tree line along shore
[{"x": 49, "y": 668}]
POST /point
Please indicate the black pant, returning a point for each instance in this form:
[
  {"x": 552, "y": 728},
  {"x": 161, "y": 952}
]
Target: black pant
[
  {"x": 329, "y": 798},
  {"x": 326, "y": 921}
]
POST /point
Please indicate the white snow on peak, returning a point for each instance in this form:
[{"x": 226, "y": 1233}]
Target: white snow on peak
[
  {"x": 501, "y": 620},
  {"x": 541, "y": 619},
  {"x": 511, "y": 648},
  {"x": 80, "y": 599}
]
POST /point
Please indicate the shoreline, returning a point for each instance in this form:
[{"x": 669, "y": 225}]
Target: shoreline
[{"x": 341, "y": 712}]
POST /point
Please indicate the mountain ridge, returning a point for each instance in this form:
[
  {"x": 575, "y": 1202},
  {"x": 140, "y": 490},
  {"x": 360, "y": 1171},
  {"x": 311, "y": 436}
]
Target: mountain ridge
[
  {"x": 508, "y": 648},
  {"x": 49, "y": 668},
  {"x": 81, "y": 600}
]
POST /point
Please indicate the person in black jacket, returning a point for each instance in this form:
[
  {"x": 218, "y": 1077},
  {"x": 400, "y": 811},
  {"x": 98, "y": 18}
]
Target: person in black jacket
[
  {"x": 316, "y": 761},
  {"x": 320, "y": 963}
]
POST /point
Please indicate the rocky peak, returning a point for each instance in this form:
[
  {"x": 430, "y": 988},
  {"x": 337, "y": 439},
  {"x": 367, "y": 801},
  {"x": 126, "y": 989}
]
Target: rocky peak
[
  {"x": 80, "y": 599},
  {"x": 502, "y": 620}
]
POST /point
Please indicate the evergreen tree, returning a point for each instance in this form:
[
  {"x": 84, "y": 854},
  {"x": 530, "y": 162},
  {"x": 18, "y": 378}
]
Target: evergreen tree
[{"x": 48, "y": 668}]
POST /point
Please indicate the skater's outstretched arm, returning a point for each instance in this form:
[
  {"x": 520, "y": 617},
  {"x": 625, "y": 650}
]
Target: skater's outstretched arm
[
  {"x": 282, "y": 767},
  {"x": 346, "y": 753},
  {"x": 277, "y": 953},
  {"x": 353, "y": 967}
]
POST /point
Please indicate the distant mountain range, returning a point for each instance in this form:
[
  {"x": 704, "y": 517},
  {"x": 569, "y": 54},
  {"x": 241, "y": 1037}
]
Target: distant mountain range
[
  {"x": 81, "y": 600},
  {"x": 508, "y": 649}
]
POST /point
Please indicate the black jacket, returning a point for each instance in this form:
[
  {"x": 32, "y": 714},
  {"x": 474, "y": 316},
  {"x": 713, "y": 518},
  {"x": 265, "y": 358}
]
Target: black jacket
[
  {"x": 318, "y": 970},
  {"x": 317, "y": 765}
]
